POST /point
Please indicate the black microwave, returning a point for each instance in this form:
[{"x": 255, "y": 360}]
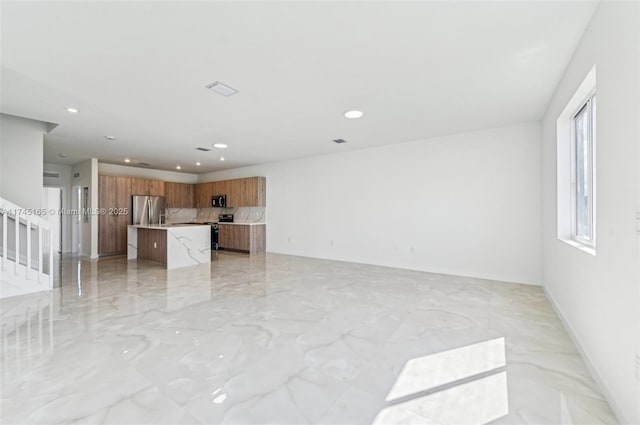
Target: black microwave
[{"x": 219, "y": 201}]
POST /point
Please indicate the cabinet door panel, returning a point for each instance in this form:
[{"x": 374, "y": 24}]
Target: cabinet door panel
[
  {"x": 139, "y": 186},
  {"x": 178, "y": 195},
  {"x": 106, "y": 224},
  {"x": 228, "y": 188},
  {"x": 187, "y": 196},
  {"x": 172, "y": 195},
  {"x": 197, "y": 188},
  {"x": 122, "y": 212},
  {"x": 156, "y": 187},
  {"x": 242, "y": 238},
  {"x": 205, "y": 195},
  {"x": 224, "y": 235}
]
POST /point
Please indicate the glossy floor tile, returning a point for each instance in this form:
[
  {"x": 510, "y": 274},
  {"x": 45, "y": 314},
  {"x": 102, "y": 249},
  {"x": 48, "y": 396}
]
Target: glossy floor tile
[{"x": 287, "y": 340}]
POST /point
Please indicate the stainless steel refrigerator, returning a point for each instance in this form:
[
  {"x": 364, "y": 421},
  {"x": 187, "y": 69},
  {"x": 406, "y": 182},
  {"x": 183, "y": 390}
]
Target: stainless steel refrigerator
[{"x": 147, "y": 210}]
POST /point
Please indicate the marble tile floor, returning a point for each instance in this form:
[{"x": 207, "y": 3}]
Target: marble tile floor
[{"x": 287, "y": 340}]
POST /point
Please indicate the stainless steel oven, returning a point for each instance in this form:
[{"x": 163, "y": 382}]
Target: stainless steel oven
[{"x": 215, "y": 232}]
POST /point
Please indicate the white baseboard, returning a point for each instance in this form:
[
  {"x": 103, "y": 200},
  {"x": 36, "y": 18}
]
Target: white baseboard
[
  {"x": 606, "y": 392},
  {"x": 507, "y": 278}
]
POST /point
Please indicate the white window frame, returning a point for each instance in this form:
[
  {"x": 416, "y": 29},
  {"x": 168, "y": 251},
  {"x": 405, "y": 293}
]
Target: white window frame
[
  {"x": 589, "y": 107},
  {"x": 566, "y": 167}
]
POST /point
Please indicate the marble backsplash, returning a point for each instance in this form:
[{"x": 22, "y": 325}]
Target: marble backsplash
[{"x": 240, "y": 214}]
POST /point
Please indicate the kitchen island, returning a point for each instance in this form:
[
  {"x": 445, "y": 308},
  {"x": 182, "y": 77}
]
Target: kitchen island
[{"x": 175, "y": 246}]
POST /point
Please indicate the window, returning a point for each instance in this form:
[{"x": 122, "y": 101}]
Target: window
[
  {"x": 582, "y": 173},
  {"x": 576, "y": 170}
]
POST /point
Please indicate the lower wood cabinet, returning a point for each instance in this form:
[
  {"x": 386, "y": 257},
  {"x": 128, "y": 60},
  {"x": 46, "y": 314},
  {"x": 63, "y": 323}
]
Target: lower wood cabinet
[
  {"x": 242, "y": 237},
  {"x": 152, "y": 245}
]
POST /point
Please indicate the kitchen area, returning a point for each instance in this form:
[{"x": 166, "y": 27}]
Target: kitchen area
[{"x": 180, "y": 224}]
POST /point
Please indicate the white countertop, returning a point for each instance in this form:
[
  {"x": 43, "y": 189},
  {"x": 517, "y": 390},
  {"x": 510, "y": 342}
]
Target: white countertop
[
  {"x": 243, "y": 224},
  {"x": 163, "y": 226},
  {"x": 217, "y": 222}
]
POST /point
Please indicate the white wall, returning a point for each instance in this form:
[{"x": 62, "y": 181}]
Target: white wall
[
  {"x": 148, "y": 173},
  {"x": 598, "y": 295},
  {"x": 466, "y": 204},
  {"x": 21, "y": 143},
  {"x": 88, "y": 177},
  {"x": 64, "y": 183}
]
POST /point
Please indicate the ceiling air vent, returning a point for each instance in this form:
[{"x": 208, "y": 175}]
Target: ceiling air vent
[
  {"x": 145, "y": 164},
  {"x": 51, "y": 175},
  {"x": 203, "y": 149},
  {"x": 340, "y": 141},
  {"x": 221, "y": 88}
]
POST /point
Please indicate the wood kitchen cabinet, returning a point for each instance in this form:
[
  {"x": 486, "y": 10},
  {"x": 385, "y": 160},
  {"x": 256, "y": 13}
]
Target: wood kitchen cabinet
[
  {"x": 242, "y": 237},
  {"x": 152, "y": 245},
  {"x": 245, "y": 192},
  {"x": 179, "y": 195},
  {"x": 147, "y": 187},
  {"x": 114, "y": 200},
  {"x": 156, "y": 187},
  {"x": 202, "y": 195}
]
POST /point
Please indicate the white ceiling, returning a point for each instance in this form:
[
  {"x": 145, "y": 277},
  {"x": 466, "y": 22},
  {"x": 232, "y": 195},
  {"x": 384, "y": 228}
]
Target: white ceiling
[{"x": 138, "y": 70}]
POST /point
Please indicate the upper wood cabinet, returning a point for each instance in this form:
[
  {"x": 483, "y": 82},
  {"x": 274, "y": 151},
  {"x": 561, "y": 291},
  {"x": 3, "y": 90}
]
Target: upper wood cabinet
[
  {"x": 147, "y": 187},
  {"x": 246, "y": 192},
  {"x": 179, "y": 195},
  {"x": 156, "y": 187},
  {"x": 202, "y": 195}
]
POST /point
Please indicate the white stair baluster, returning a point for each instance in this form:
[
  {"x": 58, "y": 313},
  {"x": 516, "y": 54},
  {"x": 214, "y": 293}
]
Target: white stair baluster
[
  {"x": 28, "y": 248},
  {"x": 39, "y": 252},
  {"x": 20, "y": 280},
  {"x": 50, "y": 258},
  {"x": 17, "y": 226},
  {"x": 4, "y": 240}
]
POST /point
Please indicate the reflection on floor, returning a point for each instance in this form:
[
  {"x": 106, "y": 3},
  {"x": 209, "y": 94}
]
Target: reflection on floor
[{"x": 281, "y": 339}]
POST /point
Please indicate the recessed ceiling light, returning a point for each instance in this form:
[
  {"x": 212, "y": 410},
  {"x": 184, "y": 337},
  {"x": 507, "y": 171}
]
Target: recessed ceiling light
[
  {"x": 127, "y": 160},
  {"x": 63, "y": 155},
  {"x": 178, "y": 167},
  {"x": 352, "y": 115},
  {"x": 198, "y": 164},
  {"x": 220, "y": 146},
  {"x": 222, "y": 158},
  {"x": 221, "y": 88},
  {"x": 72, "y": 110},
  {"x": 110, "y": 137}
]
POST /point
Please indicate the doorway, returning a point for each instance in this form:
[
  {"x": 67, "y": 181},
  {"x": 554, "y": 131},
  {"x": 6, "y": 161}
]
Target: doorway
[
  {"x": 76, "y": 220},
  {"x": 52, "y": 201}
]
